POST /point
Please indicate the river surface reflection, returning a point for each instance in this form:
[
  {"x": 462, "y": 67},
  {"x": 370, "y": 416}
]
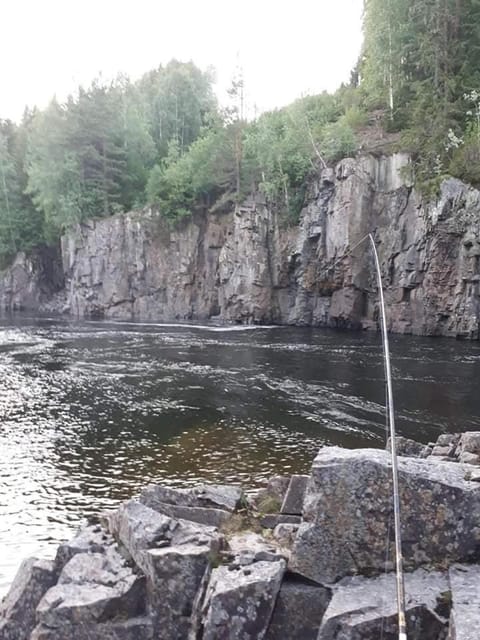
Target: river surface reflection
[{"x": 92, "y": 411}]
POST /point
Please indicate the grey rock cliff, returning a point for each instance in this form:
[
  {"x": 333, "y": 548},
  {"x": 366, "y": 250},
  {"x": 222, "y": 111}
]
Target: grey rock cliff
[
  {"x": 33, "y": 281},
  {"x": 245, "y": 265}
]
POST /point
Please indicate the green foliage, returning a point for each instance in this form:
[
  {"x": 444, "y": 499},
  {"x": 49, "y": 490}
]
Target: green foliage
[
  {"x": 178, "y": 103},
  {"x": 181, "y": 182},
  {"x": 162, "y": 139},
  {"x": 354, "y": 117},
  {"x": 20, "y": 224},
  {"x": 338, "y": 140},
  {"x": 283, "y": 147},
  {"x": 419, "y": 58}
]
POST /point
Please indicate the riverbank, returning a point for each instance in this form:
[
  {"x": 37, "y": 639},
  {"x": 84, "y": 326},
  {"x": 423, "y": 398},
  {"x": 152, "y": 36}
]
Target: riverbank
[{"x": 302, "y": 558}]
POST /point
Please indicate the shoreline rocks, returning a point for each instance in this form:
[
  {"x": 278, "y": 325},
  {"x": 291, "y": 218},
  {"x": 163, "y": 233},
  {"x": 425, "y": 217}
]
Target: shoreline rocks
[{"x": 156, "y": 568}]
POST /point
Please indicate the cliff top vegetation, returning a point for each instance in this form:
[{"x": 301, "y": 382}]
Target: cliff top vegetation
[{"x": 164, "y": 139}]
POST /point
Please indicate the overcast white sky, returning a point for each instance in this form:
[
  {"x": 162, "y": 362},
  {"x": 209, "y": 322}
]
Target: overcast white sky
[{"x": 286, "y": 47}]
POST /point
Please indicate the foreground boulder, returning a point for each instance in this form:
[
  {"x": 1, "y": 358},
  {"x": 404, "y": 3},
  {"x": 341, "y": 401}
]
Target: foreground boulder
[
  {"x": 348, "y": 510},
  {"x": 364, "y": 609},
  {"x": 240, "y": 601},
  {"x": 207, "y": 504},
  {"x": 299, "y": 610},
  {"x": 94, "y": 591},
  {"x": 465, "y": 588},
  {"x": 17, "y": 611}
]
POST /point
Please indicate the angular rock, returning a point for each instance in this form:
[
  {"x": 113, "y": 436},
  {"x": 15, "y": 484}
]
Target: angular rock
[
  {"x": 271, "y": 520},
  {"x": 138, "y": 528},
  {"x": 92, "y": 588},
  {"x": 202, "y": 515},
  {"x": 222, "y": 496},
  {"x": 270, "y": 498},
  {"x": 298, "y": 610},
  {"x": 465, "y": 616},
  {"x": 285, "y": 534},
  {"x": 293, "y": 501},
  {"x": 17, "y": 609},
  {"x": 448, "y": 439},
  {"x": 470, "y": 442},
  {"x": 240, "y": 601},
  {"x": 212, "y": 496},
  {"x": 175, "y": 576},
  {"x": 447, "y": 451},
  {"x": 92, "y": 538},
  {"x": 408, "y": 448},
  {"x": 107, "y": 569},
  {"x": 366, "y": 608},
  {"x": 132, "y": 629},
  {"x": 247, "y": 548},
  {"x": 469, "y": 458},
  {"x": 348, "y": 507}
]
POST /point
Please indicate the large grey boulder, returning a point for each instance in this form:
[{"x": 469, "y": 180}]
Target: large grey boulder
[
  {"x": 250, "y": 547},
  {"x": 240, "y": 601},
  {"x": 138, "y": 527},
  {"x": 132, "y": 629},
  {"x": 175, "y": 556},
  {"x": 17, "y": 609},
  {"x": 206, "y": 504},
  {"x": 92, "y": 588},
  {"x": 465, "y": 616},
  {"x": 175, "y": 576},
  {"x": 89, "y": 539},
  {"x": 348, "y": 510},
  {"x": 202, "y": 515},
  {"x": 298, "y": 610},
  {"x": 366, "y": 608},
  {"x": 212, "y": 496},
  {"x": 293, "y": 501},
  {"x": 409, "y": 448}
]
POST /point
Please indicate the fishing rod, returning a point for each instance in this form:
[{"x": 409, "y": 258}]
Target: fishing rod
[{"x": 402, "y": 626}]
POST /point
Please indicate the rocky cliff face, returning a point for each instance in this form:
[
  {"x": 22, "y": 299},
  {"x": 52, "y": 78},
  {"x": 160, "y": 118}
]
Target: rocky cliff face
[
  {"x": 247, "y": 266},
  {"x": 33, "y": 281}
]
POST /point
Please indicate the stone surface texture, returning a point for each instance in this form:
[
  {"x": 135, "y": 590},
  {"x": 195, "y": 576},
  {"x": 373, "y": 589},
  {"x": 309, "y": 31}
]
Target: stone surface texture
[
  {"x": 245, "y": 265},
  {"x": 364, "y": 609},
  {"x": 240, "y": 601},
  {"x": 298, "y": 610},
  {"x": 465, "y": 588},
  {"x": 293, "y": 501},
  {"x": 17, "y": 609},
  {"x": 348, "y": 507},
  {"x": 93, "y": 589},
  {"x": 34, "y": 281}
]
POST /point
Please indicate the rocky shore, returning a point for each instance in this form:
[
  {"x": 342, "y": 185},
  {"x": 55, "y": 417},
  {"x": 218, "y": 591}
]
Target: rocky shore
[{"x": 307, "y": 557}]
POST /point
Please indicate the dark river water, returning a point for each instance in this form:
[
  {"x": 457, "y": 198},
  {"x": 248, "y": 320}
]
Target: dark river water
[{"x": 90, "y": 412}]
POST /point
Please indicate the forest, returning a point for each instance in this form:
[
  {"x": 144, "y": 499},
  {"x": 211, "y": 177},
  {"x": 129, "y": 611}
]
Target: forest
[{"x": 164, "y": 140}]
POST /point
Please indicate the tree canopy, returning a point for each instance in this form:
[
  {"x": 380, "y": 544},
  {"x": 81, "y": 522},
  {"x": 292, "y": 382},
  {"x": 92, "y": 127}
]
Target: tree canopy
[{"x": 164, "y": 140}]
